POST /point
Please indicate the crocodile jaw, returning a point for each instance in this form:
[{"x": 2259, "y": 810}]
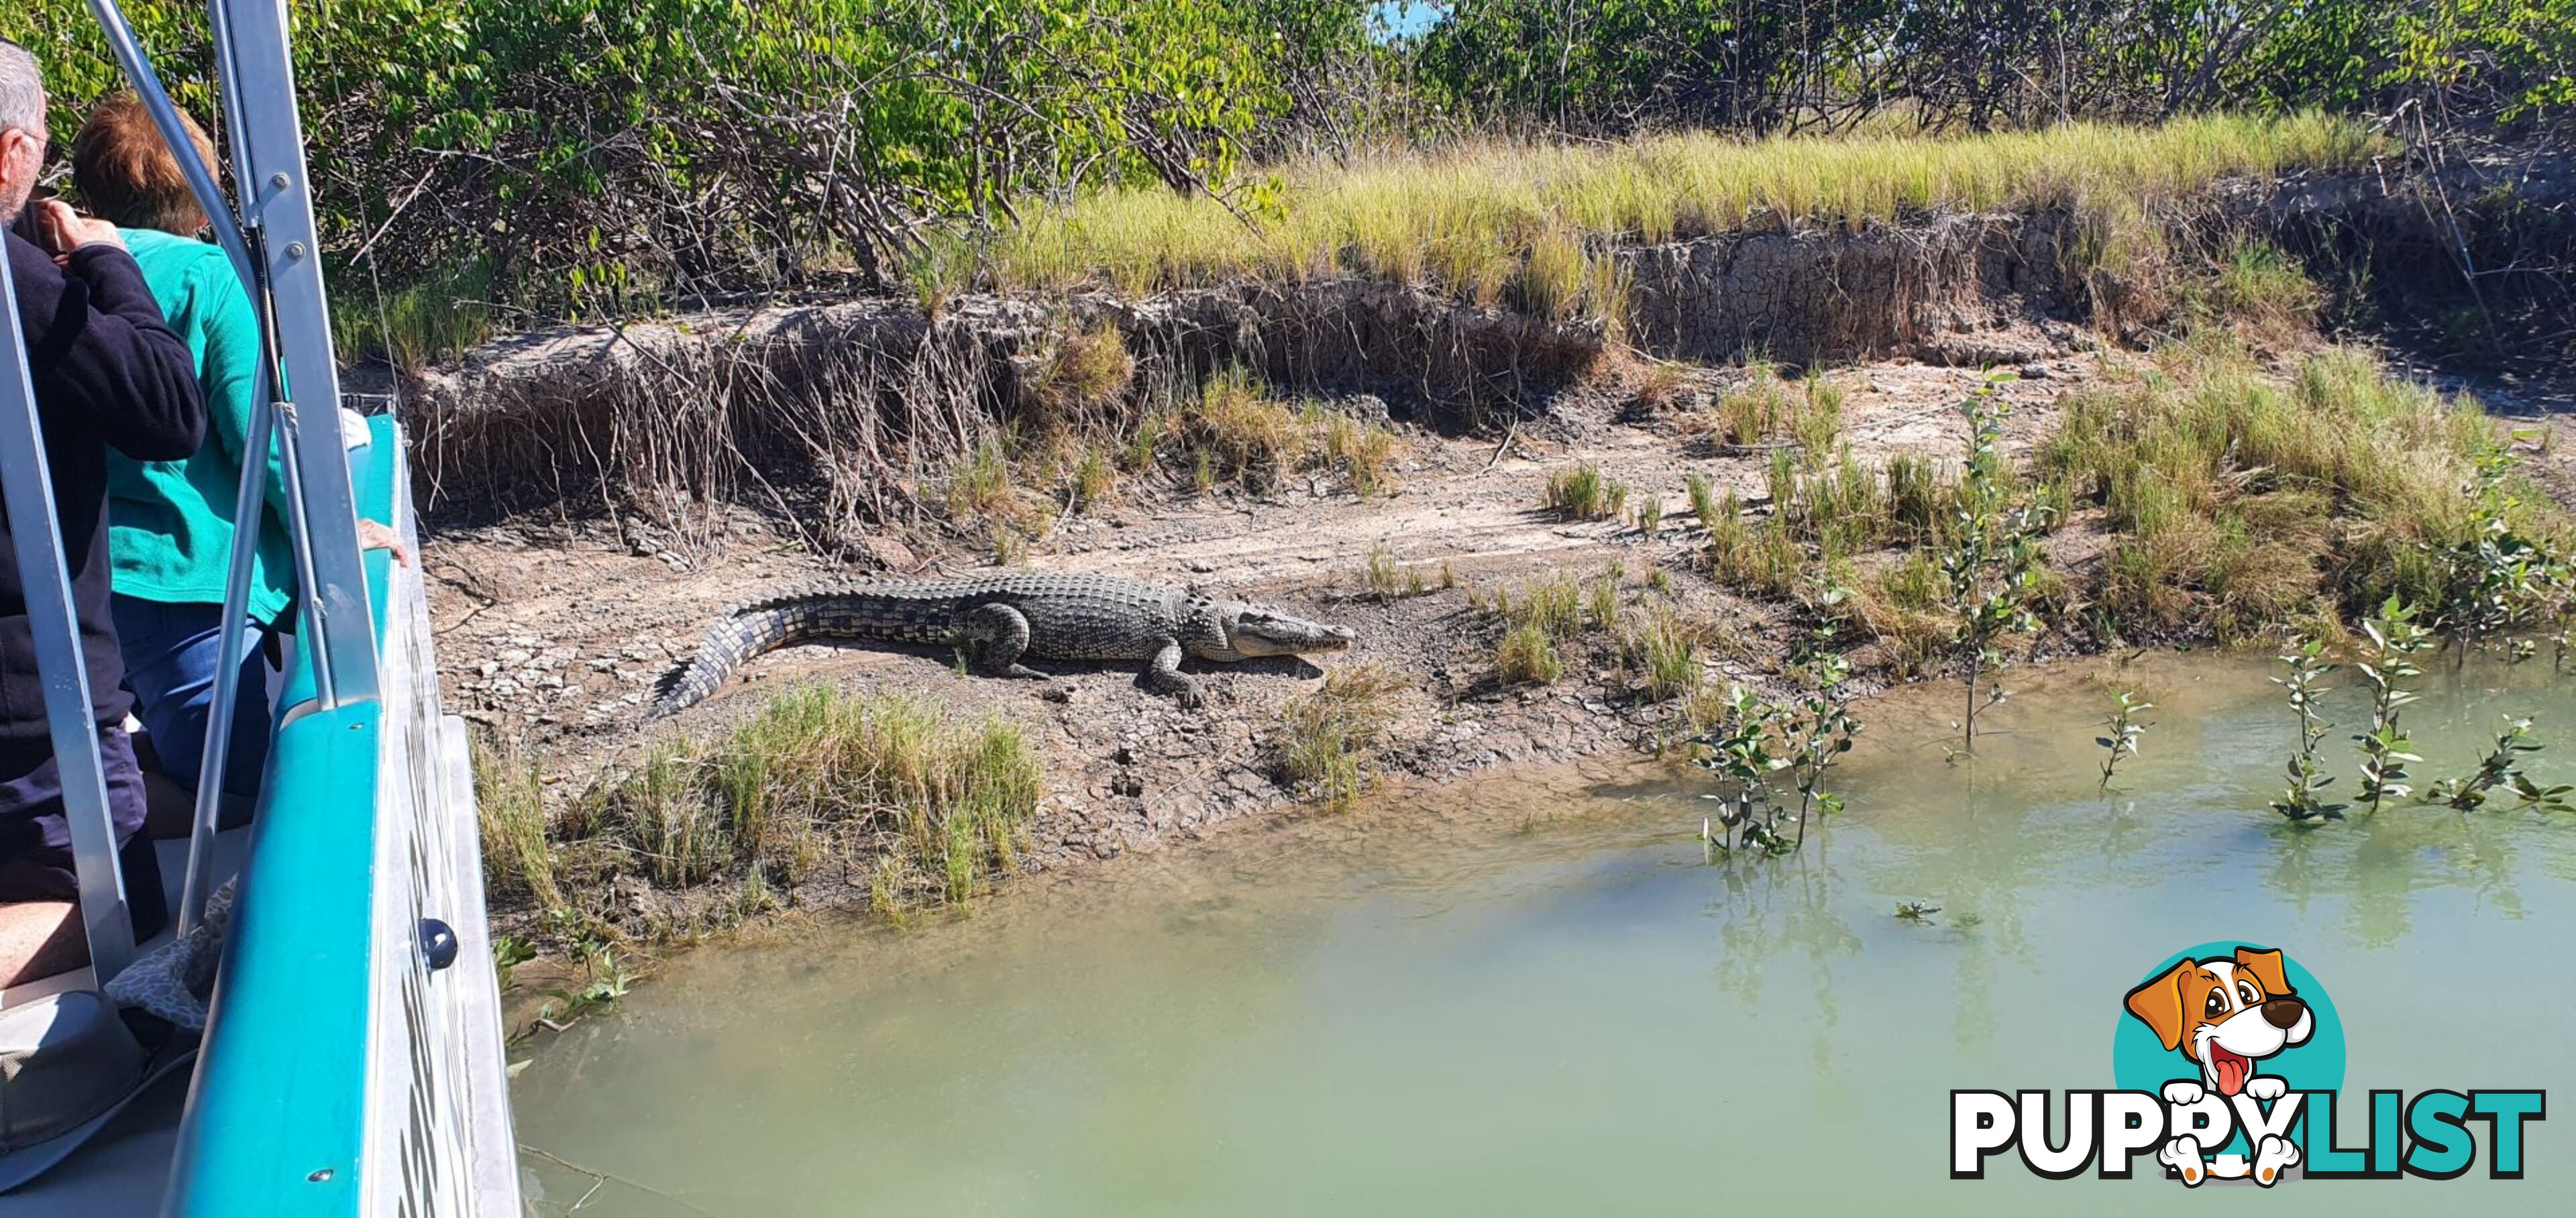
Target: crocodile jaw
[{"x": 1251, "y": 630}]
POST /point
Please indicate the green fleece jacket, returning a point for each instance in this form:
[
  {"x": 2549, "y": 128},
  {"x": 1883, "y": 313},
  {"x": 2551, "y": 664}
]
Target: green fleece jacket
[{"x": 170, "y": 523}]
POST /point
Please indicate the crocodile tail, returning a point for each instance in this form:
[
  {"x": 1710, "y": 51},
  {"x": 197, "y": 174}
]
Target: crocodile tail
[
  {"x": 756, "y": 627},
  {"x": 732, "y": 643}
]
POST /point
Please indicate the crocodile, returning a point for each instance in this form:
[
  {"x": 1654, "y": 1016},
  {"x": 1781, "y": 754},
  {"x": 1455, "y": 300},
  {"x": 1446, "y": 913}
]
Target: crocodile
[{"x": 995, "y": 620}]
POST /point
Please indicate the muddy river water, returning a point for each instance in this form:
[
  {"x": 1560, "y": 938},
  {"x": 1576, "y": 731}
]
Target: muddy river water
[{"x": 1531, "y": 994}]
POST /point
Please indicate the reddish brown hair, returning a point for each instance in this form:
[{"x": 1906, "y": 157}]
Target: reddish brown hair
[{"x": 127, "y": 176}]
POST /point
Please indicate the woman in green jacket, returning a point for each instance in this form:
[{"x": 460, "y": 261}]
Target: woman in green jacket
[{"x": 171, "y": 525}]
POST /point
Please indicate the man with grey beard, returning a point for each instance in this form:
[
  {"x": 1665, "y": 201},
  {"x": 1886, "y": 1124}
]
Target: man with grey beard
[{"x": 107, "y": 374}]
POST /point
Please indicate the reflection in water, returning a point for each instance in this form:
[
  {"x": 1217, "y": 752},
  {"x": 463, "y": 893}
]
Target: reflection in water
[{"x": 1528, "y": 994}]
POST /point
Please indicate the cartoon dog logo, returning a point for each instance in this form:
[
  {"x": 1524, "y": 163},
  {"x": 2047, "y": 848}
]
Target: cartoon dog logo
[{"x": 2225, "y": 1014}]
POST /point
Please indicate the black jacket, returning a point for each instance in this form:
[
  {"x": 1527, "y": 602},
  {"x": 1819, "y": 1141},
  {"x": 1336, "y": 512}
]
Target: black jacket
[{"x": 108, "y": 373}]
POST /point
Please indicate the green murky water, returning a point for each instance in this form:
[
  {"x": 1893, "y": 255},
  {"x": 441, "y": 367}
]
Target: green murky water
[{"x": 1530, "y": 996}]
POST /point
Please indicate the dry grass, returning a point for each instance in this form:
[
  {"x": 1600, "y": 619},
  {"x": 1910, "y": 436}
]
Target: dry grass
[
  {"x": 2255, "y": 290},
  {"x": 1389, "y": 580},
  {"x": 1328, "y": 737},
  {"x": 1901, "y": 606},
  {"x": 1498, "y": 222},
  {"x": 1666, "y": 649},
  {"x": 1749, "y": 413},
  {"x": 1921, "y": 498},
  {"x": 1084, "y": 378},
  {"x": 1552, "y": 604},
  {"x": 1818, "y": 421},
  {"x": 1236, "y": 431}
]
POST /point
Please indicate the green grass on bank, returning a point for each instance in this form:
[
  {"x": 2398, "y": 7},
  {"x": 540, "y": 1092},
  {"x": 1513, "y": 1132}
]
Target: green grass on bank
[
  {"x": 2242, "y": 497},
  {"x": 895, "y": 792},
  {"x": 1506, "y": 223}
]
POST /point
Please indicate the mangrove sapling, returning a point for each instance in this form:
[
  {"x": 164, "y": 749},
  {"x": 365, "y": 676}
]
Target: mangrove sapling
[
  {"x": 2502, "y": 767},
  {"x": 2560, "y": 797},
  {"x": 508, "y": 953},
  {"x": 1992, "y": 564},
  {"x": 2125, "y": 729},
  {"x": 2497, "y": 576},
  {"x": 1739, "y": 753},
  {"x": 2395, "y": 639},
  {"x": 2305, "y": 802},
  {"x": 608, "y": 981},
  {"x": 1822, "y": 726}
]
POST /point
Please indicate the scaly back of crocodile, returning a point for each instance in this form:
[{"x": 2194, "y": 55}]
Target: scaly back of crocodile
[{"x": 1071, "y": 617}]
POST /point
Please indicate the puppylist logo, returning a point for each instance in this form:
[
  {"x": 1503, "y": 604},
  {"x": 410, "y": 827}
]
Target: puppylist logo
[{"x": 2228, "y": 1058}]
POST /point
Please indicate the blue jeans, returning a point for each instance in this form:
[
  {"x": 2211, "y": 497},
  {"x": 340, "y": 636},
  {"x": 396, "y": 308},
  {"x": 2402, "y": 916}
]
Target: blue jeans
[{"x": 170, "y": 652}]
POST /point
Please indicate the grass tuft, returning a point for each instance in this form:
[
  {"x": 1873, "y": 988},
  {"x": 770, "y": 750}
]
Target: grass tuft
[
  {"x": 1581, "y": 492},
  {"x": 2237, "y": 500},
  {"x": 510, "y": 811},
  {"x": 1527, "y": 656},
  {"x": 1482, "y": 221},
  {"x": 1084, "y": 378},
  {"x": 1748, "y": 414},
  {"x": 1329, "y": 736},
  {"x": 1666, "y": 649}
]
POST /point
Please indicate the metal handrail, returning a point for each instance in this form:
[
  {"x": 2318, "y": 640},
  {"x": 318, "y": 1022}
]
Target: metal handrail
[{"x": 46, "y": 582}]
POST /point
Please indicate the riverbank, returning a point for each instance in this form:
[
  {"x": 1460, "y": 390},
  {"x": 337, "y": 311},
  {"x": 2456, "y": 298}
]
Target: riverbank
[
  {"x": 554, "y": 635},
  {"x": 1554, "y": 537}
]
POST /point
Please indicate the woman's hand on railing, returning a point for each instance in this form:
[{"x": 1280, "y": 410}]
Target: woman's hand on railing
[{"x": 373, "y": 535}]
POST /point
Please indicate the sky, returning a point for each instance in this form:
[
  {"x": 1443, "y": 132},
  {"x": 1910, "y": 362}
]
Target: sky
[{"x": 1406, "y": 18}]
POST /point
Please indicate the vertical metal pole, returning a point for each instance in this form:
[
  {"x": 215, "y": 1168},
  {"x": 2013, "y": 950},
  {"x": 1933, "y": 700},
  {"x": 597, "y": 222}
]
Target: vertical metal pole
[
  {"x": 249, "y": 510},
  {"x": 258, "y": 82},
  {"x": 51, "y": 619}
]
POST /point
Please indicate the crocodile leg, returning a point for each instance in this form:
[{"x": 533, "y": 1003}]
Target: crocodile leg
[
  {"x": 1163, "y": 675},
  {"x": 994, "y": 637}
]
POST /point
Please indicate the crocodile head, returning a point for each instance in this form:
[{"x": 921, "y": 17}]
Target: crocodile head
[{"x": 1251, "y": 630}]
